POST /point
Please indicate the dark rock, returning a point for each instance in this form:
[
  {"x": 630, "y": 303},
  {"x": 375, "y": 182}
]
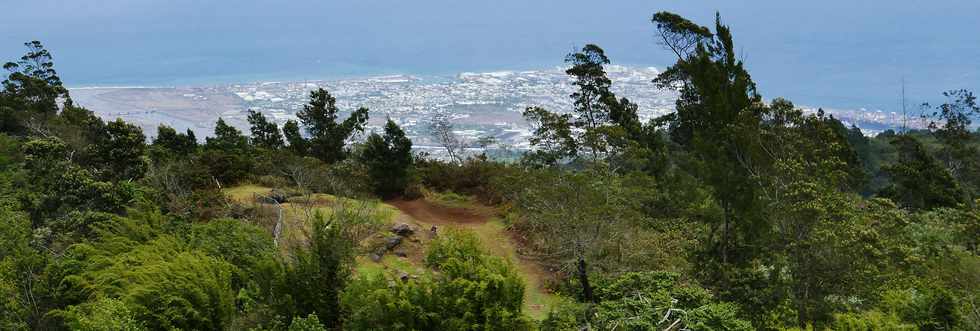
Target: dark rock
[
  {"x": 404, "y": 276},
  {"x": 401, "y": 253},
  {"x": 278, "y": 196},
  {"x": 392, "y": 242},
  {"x": 402, "y": 229}
]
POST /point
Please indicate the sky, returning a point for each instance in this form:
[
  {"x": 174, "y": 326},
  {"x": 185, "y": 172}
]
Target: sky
[{"x": 833, "y": 53}]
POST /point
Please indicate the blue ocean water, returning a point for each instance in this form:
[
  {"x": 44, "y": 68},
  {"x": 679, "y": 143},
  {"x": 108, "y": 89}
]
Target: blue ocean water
[{"x": 831, "y": 53}]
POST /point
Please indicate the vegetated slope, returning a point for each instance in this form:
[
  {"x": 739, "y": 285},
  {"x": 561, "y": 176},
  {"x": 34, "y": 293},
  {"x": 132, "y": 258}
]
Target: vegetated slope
[
  {"x": 436, "y": 210},
  {"x": 492, "y": 233}
]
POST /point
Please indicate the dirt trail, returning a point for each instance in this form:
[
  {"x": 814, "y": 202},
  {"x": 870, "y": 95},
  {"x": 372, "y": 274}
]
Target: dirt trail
[
  {"x": 494, "y": 235},
  {"x": 425, "y": 211}
]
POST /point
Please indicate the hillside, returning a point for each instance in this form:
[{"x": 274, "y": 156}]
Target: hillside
[{"x": 435, "y": 211}]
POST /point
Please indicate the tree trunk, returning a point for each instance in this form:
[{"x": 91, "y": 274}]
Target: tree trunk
[{"x": 583, "y": 277}]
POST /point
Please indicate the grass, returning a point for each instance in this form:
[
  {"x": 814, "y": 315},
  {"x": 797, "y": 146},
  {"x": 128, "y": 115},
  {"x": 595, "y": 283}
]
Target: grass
[
  {"x": 449, "y": 199},
  {"x": 492, "y": 233},
  {"x": 246, "y": 193}
]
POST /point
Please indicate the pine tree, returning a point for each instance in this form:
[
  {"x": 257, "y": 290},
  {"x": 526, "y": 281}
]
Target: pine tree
[
  {"x": 388, "y": 159},
  {"x": 265, "y": 134},
  {"x": 327, "y": 137}
]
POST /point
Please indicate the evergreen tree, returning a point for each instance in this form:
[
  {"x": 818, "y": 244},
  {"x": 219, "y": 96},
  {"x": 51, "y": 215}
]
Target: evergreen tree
[
  {"x": 297, "y": 144},
  {"x": 118, "y": 151},
  {"x": 179, "y": 144},
  {"x": 327, "y": 137},
  {"x": 31, "y": 91},
  {"x": 388, "y": 159},
  {"x": 226, "y": 138},
  {"x": 919, "y": 181},
  {"x": 265, "y": 134},
  {"x": 717, "y": 117}
]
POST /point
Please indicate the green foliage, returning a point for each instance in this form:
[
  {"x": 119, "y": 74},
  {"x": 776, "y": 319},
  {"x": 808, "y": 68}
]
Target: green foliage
[
  {"x": 649, "y": 301},
  {"x": 265, "y": 134},
  {"x": 297, "y": 144},
  {"x": 102, "y": 315},
  {"x": 473, "y": 291},
  {"x": 869, "y": 321},
  {"x": 318, "y": 273},
  {"x": 388, "y": 159},
  {"x": 60, "y": 186},
  {"x": 20, "y": 265},
  {"x": 31, "y": 91},
  {"x": 919, "y": 181},
  {"x": 243, "y": 245},
  {"x": 119, "y": 150},
  {"x": 327, "y": 137},
  {"x": 309, "y": 323},
  {"x": 173, "y": 144},
  {"x": 164, "y": 282}
]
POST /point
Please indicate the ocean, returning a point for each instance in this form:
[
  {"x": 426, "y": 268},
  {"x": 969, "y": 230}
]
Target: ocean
[{"x": 835, "y": 53}]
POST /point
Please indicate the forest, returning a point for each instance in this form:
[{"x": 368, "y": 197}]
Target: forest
[{"x": 736, "y": 212}]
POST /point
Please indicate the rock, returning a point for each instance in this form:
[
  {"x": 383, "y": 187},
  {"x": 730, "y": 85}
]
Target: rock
[
  {"x": 404, "y": 276},
  {"x": 403, "y": 230},
  {"x": 375, "y": 257},
  {"x": 401, "y": 253},
  {"x": 278, "y": 196},
  {"x": 392, "y": 242}
]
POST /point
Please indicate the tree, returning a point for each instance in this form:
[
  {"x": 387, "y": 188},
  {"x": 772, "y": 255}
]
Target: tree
[
  {"x": 573, "y": 218},
  {"x": 226, "y": 138},
  {"x": 31, "y": 91},
  {"x": 717, "y": 117},
  {"x": 118, "y": 151},
  {"x": 228, "y": 158},
  {"x": 178, "y": 144},
  {"x": 327, "y": 137},
  {"x": 552, "y": 137},
  {"x": 388, "y": 159},
  {"x": 297, "y": 144},
  {"x": 951, "y": 126},
  {"x": 265, "y": 134},
  {"x": 318, "y": 273},
  {"x": 919, "y": 181},
  {"x": 441, "y": 129}
]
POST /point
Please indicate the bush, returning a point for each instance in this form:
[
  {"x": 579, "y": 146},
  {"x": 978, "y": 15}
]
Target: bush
[
  {"x": 102, "y": 315},
  {"x": 474, "y": 291}
]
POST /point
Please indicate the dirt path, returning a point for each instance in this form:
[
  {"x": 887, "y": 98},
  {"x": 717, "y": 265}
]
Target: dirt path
[{"x": 494, "y": 235}]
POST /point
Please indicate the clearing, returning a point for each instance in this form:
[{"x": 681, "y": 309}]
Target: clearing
[{"x": 440, "y": 210}]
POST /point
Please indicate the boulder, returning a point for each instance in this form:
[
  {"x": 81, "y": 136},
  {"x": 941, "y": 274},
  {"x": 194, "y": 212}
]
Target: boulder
[
  {"x": 402, "y": 229},
  {"x": 392, "y": 242}
]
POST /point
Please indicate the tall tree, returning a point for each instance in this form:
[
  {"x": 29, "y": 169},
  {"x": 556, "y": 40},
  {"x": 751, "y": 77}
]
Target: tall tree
[
  {"x": 951, "y": 126},
  {"x": 441, "y": 129},
  {"x": 181, "y": 144},
  {"x": 388, "y": 159},
  {"x": 919, "y": 181},
  {"x": 297, "y": 144},
  {"x": 226, "y": 137},
  {"x": 328, "y": 137},
  {"x": 118, "y": 151},
  {"x": 717, "y": 118},
  {"x": 31, "y": 91},
  {"x": 593, "y": 100},
  {"x": 265, "y": 134}
]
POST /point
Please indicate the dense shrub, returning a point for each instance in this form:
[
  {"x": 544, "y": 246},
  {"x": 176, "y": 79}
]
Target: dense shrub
[{"x": 472, "y": 291}]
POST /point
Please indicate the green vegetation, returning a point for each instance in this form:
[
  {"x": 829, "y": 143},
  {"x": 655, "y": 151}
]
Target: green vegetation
[{"x": 733, "y": 213}]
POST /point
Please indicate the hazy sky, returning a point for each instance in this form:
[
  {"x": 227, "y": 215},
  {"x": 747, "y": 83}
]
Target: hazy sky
[{"x": 835, "y": 53}]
